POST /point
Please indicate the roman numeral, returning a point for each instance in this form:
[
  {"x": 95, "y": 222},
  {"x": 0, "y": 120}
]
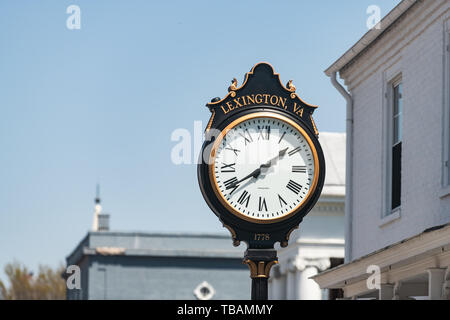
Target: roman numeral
[
  {"x": 291, "y": 153},
  {"x": 234, "y": 150},
  {"x": 245, "y": 197},
  {"x": 281, "y": 137},
  {"x": 264, "y": 132},
  {"x": 243, "y": 135},
  {"x": 282, "y": 202},
  {"x": 299, "y": 169},
  {"x": 262, "y": 204},
  {"x": 294, "y": 187},
  {"x": 228, "y": 167},
  {"x": 229, "y": 184}
]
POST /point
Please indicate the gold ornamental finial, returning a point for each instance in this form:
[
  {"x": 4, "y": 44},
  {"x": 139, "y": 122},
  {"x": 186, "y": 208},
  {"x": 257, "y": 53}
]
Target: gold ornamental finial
[
  {"x": 233, "y": 86},
  {"x": 290, "y": 86}
]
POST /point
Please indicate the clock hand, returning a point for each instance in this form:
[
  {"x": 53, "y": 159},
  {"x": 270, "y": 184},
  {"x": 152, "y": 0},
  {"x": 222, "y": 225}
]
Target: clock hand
[
  {"x": 255, "y": 174},
  {"x": 269, "y": 163}
]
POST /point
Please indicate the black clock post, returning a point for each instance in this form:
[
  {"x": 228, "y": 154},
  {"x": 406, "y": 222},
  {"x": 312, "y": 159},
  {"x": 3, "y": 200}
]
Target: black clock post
[{"x": 255, "y": 209}]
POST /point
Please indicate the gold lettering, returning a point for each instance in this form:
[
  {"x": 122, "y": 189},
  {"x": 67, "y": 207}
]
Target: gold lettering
[
  {"x": 238, "y": 104},
  {"x": 230, "y": 105},
  {"x": 225, "y": 112},
  {"x": 243, "y": 101},
  {"x": 276, "y": 100},
  {"x": 298, "y": 110},
  {"x": 266, "y": 96},
  {"x": 283, "y": 103},
  {"x": 258, "y": 101},
  {"x": 250, "y": 99},
  {"x": 261, "y": 236}
]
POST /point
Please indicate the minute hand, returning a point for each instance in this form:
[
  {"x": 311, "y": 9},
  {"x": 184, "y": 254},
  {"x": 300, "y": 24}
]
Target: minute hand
[
  {"x": 269, "y": 163},
  {"x": 255, "y": 174}
]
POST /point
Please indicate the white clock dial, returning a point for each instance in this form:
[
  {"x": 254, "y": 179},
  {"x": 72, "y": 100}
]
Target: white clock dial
[{"x": 264, "y": 167}]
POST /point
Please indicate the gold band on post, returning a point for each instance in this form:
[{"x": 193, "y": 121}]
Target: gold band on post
[{"x": 260, "y": 269}]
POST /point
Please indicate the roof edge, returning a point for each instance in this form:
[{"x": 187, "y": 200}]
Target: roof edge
[
  {"x": 163, "y": 234},
  {"x": 370, "y": 36},
  {"x": 336, "y": 279}
]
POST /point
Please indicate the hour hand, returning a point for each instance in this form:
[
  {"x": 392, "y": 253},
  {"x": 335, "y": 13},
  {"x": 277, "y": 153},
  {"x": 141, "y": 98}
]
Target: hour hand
[{"x": 255, "y": 174}]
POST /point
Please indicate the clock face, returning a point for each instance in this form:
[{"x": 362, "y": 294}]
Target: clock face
[{"x": 264, "y": 167}]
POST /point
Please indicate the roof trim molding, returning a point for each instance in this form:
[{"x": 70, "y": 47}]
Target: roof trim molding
[
  {"x": 370, "y": 36},
  {"x": 430, "y": 242}
]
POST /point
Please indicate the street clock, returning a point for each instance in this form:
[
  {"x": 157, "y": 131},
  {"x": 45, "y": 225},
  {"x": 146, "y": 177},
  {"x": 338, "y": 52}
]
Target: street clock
[{"x": 261, "y": 168}]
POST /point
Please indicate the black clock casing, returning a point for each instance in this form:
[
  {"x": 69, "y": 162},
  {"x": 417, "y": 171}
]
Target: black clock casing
[{"x": 261, "y": 92}]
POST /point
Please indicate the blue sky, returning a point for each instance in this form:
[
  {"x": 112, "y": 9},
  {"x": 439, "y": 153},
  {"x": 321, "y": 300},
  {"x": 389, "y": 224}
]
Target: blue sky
[{"x": 99, "y": 105}]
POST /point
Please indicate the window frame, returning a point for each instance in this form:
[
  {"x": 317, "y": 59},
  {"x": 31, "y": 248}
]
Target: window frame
[
  {"x": 394, "y": 143},
  {"x": 391, "y": 78}
]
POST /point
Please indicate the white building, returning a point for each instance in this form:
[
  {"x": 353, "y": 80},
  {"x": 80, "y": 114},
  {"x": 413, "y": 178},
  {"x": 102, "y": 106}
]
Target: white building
[
  {"x": 319, "y": 242},
  {"x": 398, "y": 139}
]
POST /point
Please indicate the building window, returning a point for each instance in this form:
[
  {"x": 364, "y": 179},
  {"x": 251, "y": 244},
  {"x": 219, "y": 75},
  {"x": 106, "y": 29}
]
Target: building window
[
  {"x": 396, "y": 148},
  {"x": 393, "y": 112}
]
